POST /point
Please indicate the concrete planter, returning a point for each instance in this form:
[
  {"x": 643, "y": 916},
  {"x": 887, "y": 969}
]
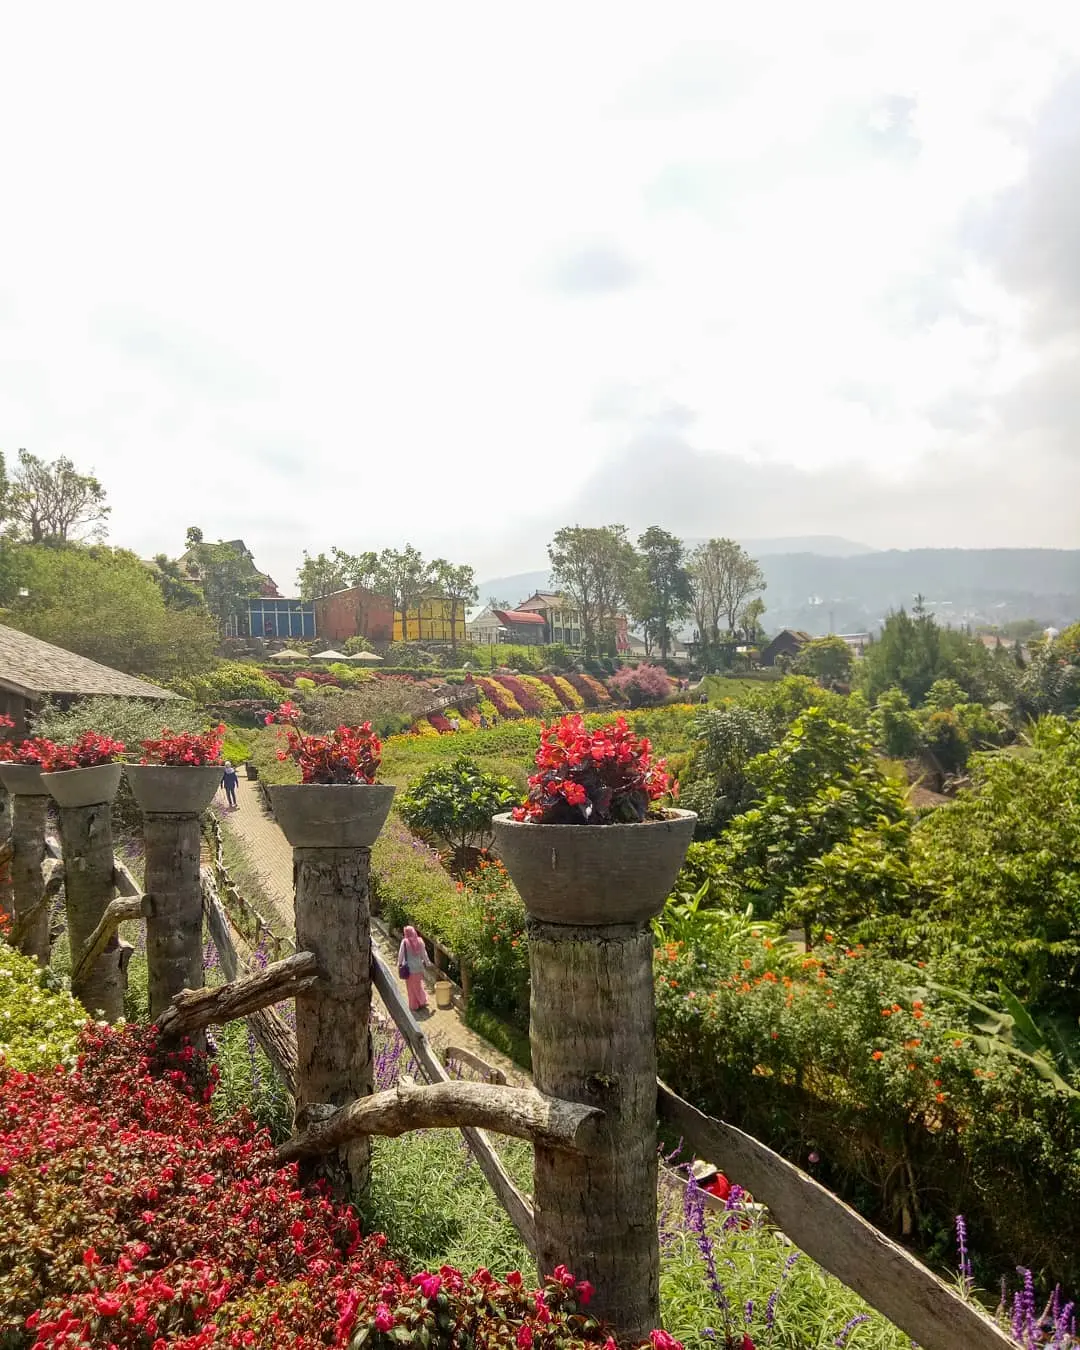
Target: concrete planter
[
  {"x": 84, "y": 787},
  {"x": 23, "y": 780},
  {"x": 331, "y": 815},
  {"x": 173, "y": 789},
  {"x": 594, "y": 874}
]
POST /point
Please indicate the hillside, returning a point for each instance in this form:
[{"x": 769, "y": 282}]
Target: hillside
[{"x": 812, "y": 590}]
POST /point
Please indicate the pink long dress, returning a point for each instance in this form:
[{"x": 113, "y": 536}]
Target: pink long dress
[{"x": 414, "y": 982}]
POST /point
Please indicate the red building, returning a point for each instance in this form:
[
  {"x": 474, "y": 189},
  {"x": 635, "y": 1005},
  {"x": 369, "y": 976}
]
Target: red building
[{"x": 355, "y": 612}]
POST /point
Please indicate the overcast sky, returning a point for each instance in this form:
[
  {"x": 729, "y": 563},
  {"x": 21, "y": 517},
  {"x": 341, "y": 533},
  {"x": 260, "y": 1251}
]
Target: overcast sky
[{"x": 455, "y": 274}]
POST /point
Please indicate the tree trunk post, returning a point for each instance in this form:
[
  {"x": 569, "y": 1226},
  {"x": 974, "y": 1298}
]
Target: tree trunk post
[
  {"x": 28, "y": 817},
  {"x": 7, "y": 902},
  {"x": 333, "y": 1034},
  {"x": 593, "y": 1038},
  {"x": 87, "y": 845},
  {"x": 174, "y": 950}
]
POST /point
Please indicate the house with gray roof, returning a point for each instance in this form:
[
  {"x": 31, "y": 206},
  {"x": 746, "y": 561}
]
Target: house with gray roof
[{"x": 32, "y": 671}]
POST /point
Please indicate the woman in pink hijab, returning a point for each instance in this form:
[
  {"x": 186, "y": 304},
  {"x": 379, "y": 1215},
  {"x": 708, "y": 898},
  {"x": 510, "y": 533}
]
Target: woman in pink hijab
[{"x": 412, "y": 958}]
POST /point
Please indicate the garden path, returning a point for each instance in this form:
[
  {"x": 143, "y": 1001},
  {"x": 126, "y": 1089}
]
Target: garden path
[{"x": 270, "y": 857}]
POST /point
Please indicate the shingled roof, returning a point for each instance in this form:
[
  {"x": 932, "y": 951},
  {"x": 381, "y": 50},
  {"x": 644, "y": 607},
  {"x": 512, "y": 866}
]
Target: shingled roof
[{"x": 32, "y": 668}]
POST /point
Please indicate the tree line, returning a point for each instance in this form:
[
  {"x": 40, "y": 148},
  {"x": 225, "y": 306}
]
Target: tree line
[{"x": 660, "y": 584}]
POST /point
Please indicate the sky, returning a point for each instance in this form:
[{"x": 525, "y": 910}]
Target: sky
[{"x": 364, "y": 274}]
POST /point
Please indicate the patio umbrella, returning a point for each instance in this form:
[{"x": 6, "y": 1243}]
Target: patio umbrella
[
  {"x": 329, "y": 655},
  {"x": 288, "y": 655},
  {"x": 365, "y": 656}
]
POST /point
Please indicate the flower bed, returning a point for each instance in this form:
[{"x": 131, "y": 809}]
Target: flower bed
[
  {"x": 505, "y": 703},
  {"x": 523, "y": 696},
  {"x": 38, "y": 1026},
  {"x": 564, "y": 691},
  {"x": 166, "y": 1228},
  {"x": 590, "y": 689}
]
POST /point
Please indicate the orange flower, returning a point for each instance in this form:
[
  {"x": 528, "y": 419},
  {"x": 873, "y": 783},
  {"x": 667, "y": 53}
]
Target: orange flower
[
  {"x": 911, "y": 1068},
  {"x": 878, "y": 1054},
  {"x": 886, "y": 1012},
  {"x": 910, "y": 1045},
  {"x": 746, "y": 963},
  {"x": 940, "y": 1097}
]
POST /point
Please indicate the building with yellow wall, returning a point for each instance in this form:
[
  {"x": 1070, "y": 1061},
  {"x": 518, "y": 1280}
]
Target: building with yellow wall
[{"x": 430, "y": 621}]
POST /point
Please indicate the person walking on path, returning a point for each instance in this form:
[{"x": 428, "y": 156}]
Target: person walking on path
[
  {"x": 412, "y": 959},
  {"x": 230, "y": 780}
]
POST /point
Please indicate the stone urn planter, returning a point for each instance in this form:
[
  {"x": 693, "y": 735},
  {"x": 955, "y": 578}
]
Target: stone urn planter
[
  {"x": 173, "y": 789},
  {"x": 594, "y": 874},
  {"x": 23, "y": 780},
  {"x": 83, "y": 787},
  {"x": 334, "y": 815}
]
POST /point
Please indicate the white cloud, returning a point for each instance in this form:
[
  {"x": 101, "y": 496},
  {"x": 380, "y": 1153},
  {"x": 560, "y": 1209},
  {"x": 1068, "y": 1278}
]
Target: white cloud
[{"x": 358, "y": 274}]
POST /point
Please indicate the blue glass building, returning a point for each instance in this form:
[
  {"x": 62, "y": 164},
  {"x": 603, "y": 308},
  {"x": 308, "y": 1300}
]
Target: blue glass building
[{"x": 268, "y": 617}]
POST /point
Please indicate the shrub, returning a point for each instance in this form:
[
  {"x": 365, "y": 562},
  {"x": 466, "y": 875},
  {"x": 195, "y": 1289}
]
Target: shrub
[
  {"x": 88, "y": 751},
  {"x": 564, "y": 691},
  {"x": 641, "y": 684},
  {"x": 345, "y": 755},
  {"x": 590, "y": 689},
  {"x": 855, "y": 1058},
  {"x": 492, "y": 940},
  {"x": 229, "y": 680},
  {"x": 525, "y": 696},
  {"x": 184, "y": 749},
  {"x": 38, "y": 1023},
  {"x": 456, "y": 802},
  {"x": 125, "y": 719},
  {"x": 505, "y": 703}
]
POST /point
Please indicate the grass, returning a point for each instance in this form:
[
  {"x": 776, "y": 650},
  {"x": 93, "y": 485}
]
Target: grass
[{"x": 511, "y": 1041}]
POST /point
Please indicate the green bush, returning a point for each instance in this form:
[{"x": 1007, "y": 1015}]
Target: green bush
[
  {"x": 855, "y": 1060},
  {"x": 38, "y": 1023},
  {"x": 130, "y": 720},
  {"x": 229, "y": 681},
  {"x": 457, "y": 802}
]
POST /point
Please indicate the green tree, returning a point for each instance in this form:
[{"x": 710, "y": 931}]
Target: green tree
[
  {"x": 456, "y": 803},
  {"x": 827, "y": 660},
  {"x": 105, "y": 604},
  {"x": 321, "y": 576},
  {"x": 595, "y": 566},
  {"x": 456, "y": 583},
  {"x": 177, "y": 590},
  {"x": 717, "y": 785},
  {"x": 52, "y": 503},
  {"x": 913, "y": 651},
  {"x": 661, "y": 595},
  {"x": 894, "y": 726},
  {"x": 228, "y": 577},
  {"x": 406, "y": 578}
]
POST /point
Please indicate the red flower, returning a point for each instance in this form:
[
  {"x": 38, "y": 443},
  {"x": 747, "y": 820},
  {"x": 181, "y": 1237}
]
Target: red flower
[
  {"x": 185, "y": 749},
  {"x": 384, "y": 1318}
]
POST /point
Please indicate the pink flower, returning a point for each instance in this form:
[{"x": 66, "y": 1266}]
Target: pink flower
[
  {"x": 585, "y": 1292},
  {"x": 562, "y": 1276},
  {"x": 524, "y": 1339},
  {"x": 663, "y": 1340},
  {"x": 429, "y": 1285},
  {"x": 384, "y": 1318}
]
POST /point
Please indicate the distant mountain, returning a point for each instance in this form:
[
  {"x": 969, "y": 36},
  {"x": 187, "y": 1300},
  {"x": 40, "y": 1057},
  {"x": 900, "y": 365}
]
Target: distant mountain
[{"x": 846, "y": 593}]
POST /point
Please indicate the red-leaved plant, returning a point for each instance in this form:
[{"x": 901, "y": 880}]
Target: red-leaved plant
[
  {"x": 90, "y": 750},
  {"x": 346, "y": 755},
  {"x": 601, "y": 777},
  {"x": 186, "y": 749},
  {"x": 33, "y": 751}
]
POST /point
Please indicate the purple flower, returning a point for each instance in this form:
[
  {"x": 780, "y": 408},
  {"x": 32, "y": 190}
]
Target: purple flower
[
  {"x": 962, "y": 1248},
  {"x": 849, "y": 1327}
]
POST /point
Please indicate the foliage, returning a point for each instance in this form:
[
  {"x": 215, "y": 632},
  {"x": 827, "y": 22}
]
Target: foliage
[
  {"x": 187, "y": 749},
  {"x": 321, "y": 575},
  {"x": 1051, "y": 683},
  {"x": 827, "y": 660},
  {"x": 878, "y": 1083},
  {"x": 727, "y": 740},
  {"x": 595, "y": 566},
  {"x": 104, "y": 604},
  {"x": 38, "y": 1022},
  {"x": 345, "y": 755},
  {"x": 356, "y": 644},
  {"x": 177, "y": 590},
  {"x": 229, "y": 680},
  {"x": 894, "y": 726},
  {"x": 913, "y": 651},
  {"x": 660, "y": 595},
  {"x": 1002, "y": 864},
  {"x": 642, "y": 684},
  {"x": 812, "y": 791},
  {"x": 88, "y": 751},
  {"x": 457, "y": 584},
  {"x": 52, "y": 503},
  {"x": 227, "y": 575},
  {"x": 456, "y": 802},
  {"x": 492, "y": 941},
  {"x": 601, "y": 776},
  {"x": 125, "y": 719}
]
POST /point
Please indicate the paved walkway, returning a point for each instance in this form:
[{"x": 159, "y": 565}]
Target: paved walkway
[{"x": 270, "y": 857}]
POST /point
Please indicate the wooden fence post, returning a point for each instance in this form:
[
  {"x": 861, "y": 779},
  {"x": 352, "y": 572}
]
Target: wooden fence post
[
  {"x": 593, "y": 1038},
  {"x": 7, "y": 902},
  {"x": 174, "y": 952},
  {"x": 333, "y": 1033},
  {"x": 87, "y": 846},
  {"x": 28, "y": 818}
]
